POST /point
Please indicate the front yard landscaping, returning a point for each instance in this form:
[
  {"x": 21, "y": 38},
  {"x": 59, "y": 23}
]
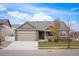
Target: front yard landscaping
[{"x": 58, "y": 44}]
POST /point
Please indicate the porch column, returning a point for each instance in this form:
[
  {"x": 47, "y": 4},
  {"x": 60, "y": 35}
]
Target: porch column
[
  {"x": 45, "y": 35},
  {"x": 37, "y": 39}
]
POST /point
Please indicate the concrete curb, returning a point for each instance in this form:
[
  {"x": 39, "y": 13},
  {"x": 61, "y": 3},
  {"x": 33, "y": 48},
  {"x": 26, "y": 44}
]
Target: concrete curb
[
  {"x": 1, "y": 47},
  {"x": 58, "y": 48}
]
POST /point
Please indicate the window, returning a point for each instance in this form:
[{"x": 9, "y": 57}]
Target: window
[
  {"x": 62, "y": 33},
  {"x": 49, "y": 33}
]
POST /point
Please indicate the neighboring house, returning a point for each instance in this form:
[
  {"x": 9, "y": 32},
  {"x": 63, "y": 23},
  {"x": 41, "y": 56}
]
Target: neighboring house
[
  {"x": 74, "y": 36},
  {"x": 39, "y": 30},
  {"x": 5, "y": 28}
]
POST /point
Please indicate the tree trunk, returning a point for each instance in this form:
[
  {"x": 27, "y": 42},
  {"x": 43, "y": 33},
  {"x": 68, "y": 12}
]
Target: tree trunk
[
  {"x": 57, "y": 38},
  {"x": 0, "y": 42},
  {"x": 0, "y": 37}
]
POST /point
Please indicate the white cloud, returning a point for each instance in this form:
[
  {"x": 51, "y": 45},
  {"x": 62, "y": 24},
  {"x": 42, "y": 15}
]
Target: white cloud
[
  {"x": 26, "y": 17},
  {"x": 2, "y": 7},
  {"x": 41, "y": 17},
  {"x": 73, "y": 22},
  {"x": 19, "y": 15},
  {"x": 34, "y": 9},
  {"x": 74, "y": 9}
]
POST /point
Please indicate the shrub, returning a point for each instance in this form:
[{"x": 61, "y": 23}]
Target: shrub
[
  {"x": 56, "y": 40},
  {"x": 62, "y": 40},
  {"x": 49, "y": 40}
]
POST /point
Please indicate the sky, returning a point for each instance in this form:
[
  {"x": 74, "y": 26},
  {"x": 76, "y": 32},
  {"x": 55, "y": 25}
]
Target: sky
[{"x": 19, "y": 13}]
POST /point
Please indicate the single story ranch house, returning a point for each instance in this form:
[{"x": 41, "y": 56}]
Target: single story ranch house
[{"x": 39, "y": 30}]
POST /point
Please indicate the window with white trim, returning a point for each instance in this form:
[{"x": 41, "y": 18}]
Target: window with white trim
[{"x": 63, "y": 33}]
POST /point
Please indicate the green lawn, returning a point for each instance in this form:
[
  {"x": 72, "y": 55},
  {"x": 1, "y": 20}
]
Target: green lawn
[{"x": 57, "y": 44}]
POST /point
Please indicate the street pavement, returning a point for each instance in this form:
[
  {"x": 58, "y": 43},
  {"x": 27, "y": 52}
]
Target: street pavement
[{"x": 43, "y": 52}]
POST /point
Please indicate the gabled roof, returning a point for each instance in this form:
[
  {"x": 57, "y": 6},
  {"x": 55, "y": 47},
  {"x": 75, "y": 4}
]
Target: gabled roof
[
  {"x": 5, "y": 21},
  {"x": 43, "y": 25},
  {"x": 63, "y": 26},
  {"x": 26, "y": 25}
]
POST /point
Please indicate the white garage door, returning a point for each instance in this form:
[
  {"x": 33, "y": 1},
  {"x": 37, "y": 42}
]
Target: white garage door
[{"x": 26, "y": 35}]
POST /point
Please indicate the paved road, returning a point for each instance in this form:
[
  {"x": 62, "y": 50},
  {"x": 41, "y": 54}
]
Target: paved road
[{"x": 54, "y": 52}]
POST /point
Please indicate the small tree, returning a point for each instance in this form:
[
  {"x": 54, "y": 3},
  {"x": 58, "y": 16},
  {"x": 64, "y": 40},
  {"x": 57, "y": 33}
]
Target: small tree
[{"x": 55, "y": 28}]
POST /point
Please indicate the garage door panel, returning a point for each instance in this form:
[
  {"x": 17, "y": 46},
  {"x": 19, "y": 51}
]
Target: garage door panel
[
  {"x": 26, "y": 36},
  {"x": 26, "y": 31}
]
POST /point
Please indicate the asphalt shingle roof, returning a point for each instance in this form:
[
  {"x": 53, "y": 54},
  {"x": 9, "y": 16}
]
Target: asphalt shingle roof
[
  {"x": 5, "y": 21},
  {"x": 43, "y": 25}
]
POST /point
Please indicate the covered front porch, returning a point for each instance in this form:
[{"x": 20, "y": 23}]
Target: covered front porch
[{"x": 44, "y": 35}]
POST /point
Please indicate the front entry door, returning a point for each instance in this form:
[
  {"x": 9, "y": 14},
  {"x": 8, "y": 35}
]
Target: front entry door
[{"x": 41, "y": 35}]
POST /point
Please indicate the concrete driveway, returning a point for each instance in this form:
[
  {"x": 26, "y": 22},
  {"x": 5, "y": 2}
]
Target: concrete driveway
[{"x": 23, "y": 45}]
